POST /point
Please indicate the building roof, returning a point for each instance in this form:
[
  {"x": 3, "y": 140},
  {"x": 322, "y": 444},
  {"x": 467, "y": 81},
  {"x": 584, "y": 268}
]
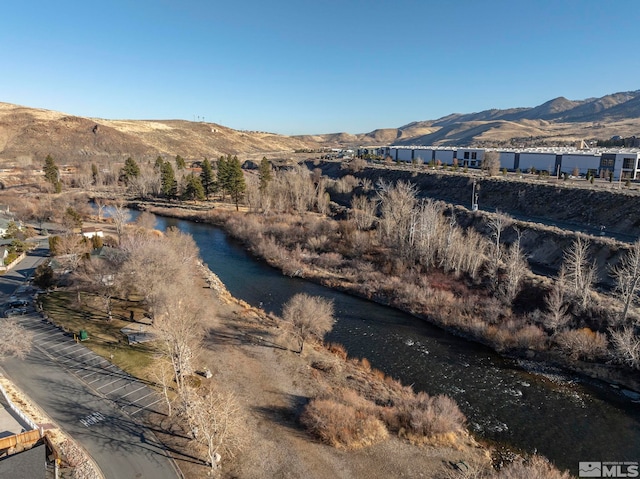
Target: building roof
[{"x": 28, "y": 464}]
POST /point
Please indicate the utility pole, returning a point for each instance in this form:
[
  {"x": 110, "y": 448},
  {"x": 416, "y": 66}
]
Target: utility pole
[{"x": 474, "y": 196}]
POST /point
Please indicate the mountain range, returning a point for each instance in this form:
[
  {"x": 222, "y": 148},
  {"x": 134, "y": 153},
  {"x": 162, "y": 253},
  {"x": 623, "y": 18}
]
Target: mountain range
[{"x": 32, "y": 133}]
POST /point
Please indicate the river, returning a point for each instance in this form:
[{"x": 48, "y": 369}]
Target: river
[{"x": 561, "y": 417}]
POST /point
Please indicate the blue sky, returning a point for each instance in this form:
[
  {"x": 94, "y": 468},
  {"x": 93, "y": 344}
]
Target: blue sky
[{"x": 297, "y": 67}]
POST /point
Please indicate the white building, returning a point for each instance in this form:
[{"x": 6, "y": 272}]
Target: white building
[{"x": 471, "y": 157}]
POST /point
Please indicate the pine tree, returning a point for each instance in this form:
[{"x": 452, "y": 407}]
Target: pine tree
[
  {"x": 168, "y": 180},
  {"x": 193, "y": 189},
  {"x": 180, "y": 163},
  {"x": 236, "y": 183},
  {"x": 264, "y": 173},
  {"x": 223, "y": 174},
  {"x": 158, "y": 164},
  {"x": 129, "y": 170},
  {"x": 206, "y": 178},
  {"x": 52, "y": 173}
]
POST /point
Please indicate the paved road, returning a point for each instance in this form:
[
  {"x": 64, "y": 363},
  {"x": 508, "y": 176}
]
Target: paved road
[{"x": 91, "y": 399}]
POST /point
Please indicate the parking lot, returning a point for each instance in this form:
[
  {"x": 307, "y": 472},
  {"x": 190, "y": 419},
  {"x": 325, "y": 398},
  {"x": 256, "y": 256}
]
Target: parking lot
[{"x": 129, "y": 394}]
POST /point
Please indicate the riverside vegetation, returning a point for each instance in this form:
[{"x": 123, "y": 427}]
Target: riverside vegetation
[
  {"x": 389, "y": 247},
  {"x": 393, "y": 248}
]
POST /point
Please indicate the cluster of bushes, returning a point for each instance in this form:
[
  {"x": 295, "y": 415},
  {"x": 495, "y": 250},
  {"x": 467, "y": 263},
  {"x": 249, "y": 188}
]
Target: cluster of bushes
[
  {"x": 373, "y": 405},
  {"x": 413, "y": 255}
]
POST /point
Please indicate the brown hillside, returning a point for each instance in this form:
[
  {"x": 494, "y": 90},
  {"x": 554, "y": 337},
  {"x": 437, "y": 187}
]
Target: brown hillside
[{"x": 31, "y": 134}]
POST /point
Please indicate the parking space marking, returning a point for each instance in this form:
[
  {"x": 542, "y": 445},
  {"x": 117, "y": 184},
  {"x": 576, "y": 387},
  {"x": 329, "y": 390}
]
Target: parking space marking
[
  {"x": 90, "y": 374},
  {"x": 108, "y": 384},
  {"x": 58, "y": 351},
  {"x": 134, "y": 391},
  {"x": 83, "y": 355},
  {"x": 97, "y": 372},
  {"x": 123, "y": 386},
  {"x": 139, "y": 399},
  {"x": 145, "y": 407}
]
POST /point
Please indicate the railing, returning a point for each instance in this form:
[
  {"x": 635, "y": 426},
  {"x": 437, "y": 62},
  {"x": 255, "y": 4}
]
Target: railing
[{"x": 17, "y": 410}]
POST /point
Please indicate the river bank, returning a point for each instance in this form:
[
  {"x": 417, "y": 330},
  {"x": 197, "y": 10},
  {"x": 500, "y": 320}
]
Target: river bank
[
  {"x": 565, "y": 419},
  {"x": 612, "y": 374}
]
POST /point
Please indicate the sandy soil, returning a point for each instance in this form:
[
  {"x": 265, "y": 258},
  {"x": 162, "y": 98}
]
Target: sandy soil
[{"x": 243, "y": 349}]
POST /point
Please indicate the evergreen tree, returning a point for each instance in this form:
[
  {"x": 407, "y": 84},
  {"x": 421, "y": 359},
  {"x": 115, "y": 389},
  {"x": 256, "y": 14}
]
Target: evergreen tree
[
  {"x": 168, "y": 181},
  {"x": 158, "y": 164},
  {"x": 180, "y": 163},
  {"x": 223, "y": 174},
  {"x": 72, "y": 219},
  {"x": 206, "y": 178},
  {"x": 52, "y": 173},
  {"x": 193, "y": 189},
  {"x": 129, "y": 170},
  {"x": 264, "y": 173},
  {"x": 235, "y": 181}
]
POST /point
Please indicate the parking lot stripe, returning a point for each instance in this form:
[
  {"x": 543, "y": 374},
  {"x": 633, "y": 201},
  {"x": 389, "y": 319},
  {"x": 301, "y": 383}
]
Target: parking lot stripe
[
  {"x": 108, "y": 384},
  {"x": 134, "y": 391},
  {"x": 83, "y": 355},
  {"x": 66, "y": 347},
  {"x": 123, "y": 386},
  {"x": 145, "y": 407}
]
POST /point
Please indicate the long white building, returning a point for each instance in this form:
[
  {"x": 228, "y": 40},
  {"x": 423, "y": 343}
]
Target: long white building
[{"x": 624, "y": 163}]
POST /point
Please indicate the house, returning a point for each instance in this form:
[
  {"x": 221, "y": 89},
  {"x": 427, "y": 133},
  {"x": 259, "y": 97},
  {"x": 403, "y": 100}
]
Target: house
[
  {"x": 91, "y": 231},
  {"x": 4, "y": 226}
]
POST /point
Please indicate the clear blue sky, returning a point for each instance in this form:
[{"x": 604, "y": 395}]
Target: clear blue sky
[{"x": 306, "y": 66}]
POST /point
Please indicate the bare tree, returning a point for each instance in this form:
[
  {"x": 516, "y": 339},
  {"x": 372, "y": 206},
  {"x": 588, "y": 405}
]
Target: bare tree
[
  {"x": 580, "y": 273},
  {"x": 556, "y": 315},
  {"x": 216, "y": 421},
  {"x": 627, "y": 346},
  {"x": 627, "y": 277},
  {"x": 103, "y": 276},
  {"x": 396, "y": 206},
  {"x": 15, "y": 340},
  {"x": 146, "y": 220},
  {"x": 308, "y": 316},
  {"x": 100, "y": 206},
  {"x": 516, "y": 269},
  {"x": 120, "y": 216},
  {"x": 73, "y": 248},
  {"x": 491, "y": 163},
  {"x": 363, "y": 212},
  {"x": 163, "y": 375},
  {"x": 497, "y": 223},
  {"x": 177, "y": 321}
]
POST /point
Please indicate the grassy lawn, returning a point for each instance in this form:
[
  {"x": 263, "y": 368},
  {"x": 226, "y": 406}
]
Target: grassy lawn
[{"x": 105, "y": 337}]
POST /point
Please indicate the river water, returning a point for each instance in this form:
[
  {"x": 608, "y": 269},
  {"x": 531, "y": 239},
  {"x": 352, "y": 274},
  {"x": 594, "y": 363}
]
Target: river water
[{"x": 561, "y": 417}]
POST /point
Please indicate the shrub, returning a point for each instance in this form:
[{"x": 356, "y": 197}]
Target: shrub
[
  {"x": 342, "y": 425},
  {"x": 337, "y": 349},
  {"x": 582, "y": 343},
  {"x": 420, "y": 416}
]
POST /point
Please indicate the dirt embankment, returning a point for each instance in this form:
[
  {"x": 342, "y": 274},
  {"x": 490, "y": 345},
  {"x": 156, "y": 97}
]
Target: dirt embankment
[{"x": 575, "y": 204}]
